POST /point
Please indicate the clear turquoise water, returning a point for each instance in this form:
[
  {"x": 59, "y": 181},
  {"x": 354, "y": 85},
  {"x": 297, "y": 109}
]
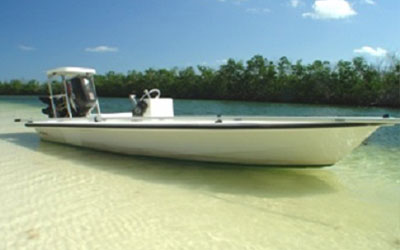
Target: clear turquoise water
[{"x": 57, "y": 196}]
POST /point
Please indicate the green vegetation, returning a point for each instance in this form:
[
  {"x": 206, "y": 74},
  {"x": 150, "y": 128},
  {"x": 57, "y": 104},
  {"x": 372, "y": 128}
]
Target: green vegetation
[{"x": 345, "y": 83}]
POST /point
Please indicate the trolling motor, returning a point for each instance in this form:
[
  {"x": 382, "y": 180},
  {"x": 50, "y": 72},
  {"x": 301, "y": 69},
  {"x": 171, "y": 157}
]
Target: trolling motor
[
  {"x": 141, "y": 106},
  {"x": 151, "y": 105}
]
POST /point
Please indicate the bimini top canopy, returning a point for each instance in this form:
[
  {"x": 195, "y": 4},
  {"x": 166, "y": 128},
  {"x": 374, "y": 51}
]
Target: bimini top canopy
[{"x": 71, "y": 72}]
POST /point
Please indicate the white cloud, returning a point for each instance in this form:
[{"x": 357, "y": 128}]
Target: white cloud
[
  {"x": 370, "y": 2},
  {"x": 101, "y": 49},
  {"x": 258, "y": 10},
  {"x": 221, "y": 61},
  {"x": 26, "y": 48},
  {"x": 237, "y": 2},
  {"x": 294, "y": 3},
  {"x": 378, "y": 52},
  {"x": 331, "y": 9}
]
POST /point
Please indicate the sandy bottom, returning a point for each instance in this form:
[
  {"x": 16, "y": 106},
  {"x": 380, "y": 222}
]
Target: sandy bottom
[{"x": 61, "y": 197}]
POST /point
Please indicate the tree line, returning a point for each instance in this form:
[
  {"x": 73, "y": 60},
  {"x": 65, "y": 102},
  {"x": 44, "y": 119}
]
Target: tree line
[{"x": 352, "y": 82}]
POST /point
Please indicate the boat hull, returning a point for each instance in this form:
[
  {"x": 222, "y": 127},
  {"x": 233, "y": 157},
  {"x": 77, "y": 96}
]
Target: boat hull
[{"x": 314, "y": 146}]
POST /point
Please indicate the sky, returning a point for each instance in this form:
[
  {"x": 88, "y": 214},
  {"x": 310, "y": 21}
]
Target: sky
[{"x": 129, "y": 35}]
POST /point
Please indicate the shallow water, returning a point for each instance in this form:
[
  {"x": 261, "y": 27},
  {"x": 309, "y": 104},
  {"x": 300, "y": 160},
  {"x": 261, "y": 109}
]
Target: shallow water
[{"x": 61, "y": 197}]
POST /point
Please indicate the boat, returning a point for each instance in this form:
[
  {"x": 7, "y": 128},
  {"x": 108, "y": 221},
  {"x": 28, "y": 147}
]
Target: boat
[{"x": 152, "y": 129}]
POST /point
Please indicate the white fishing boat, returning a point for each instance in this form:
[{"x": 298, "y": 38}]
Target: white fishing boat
[{"x": 151, "y": 129}]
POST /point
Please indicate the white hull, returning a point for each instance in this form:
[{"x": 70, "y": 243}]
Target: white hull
[{"x": 309, "y": 146}]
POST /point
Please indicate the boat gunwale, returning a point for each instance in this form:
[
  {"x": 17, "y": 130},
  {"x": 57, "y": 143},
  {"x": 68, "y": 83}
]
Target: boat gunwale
[{"x": 218, "y": 126}]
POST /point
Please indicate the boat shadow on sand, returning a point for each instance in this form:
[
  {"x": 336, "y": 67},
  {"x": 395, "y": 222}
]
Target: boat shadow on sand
[{"x": 210, "y": 177}]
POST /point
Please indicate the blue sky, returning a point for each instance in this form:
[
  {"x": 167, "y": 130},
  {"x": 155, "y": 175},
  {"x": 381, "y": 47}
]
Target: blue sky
[{"x": 137, "y": 34}]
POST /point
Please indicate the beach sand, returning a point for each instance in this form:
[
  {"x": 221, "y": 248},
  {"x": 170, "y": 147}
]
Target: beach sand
[{"x": 61, "y": 197}]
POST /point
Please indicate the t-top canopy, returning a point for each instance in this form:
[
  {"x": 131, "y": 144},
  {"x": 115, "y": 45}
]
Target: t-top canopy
[{"x": 70, "y": 71}]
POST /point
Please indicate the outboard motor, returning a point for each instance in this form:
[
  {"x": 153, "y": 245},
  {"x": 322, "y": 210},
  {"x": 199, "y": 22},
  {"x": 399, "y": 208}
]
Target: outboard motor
[{"x": 83, "y": 96}]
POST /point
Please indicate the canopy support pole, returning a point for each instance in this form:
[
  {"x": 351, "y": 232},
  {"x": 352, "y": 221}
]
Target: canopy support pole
[
  {"x": 53, "y": 107},
  {"x": 67, "y": 96},
  {"x": 97, "y": 97}
]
